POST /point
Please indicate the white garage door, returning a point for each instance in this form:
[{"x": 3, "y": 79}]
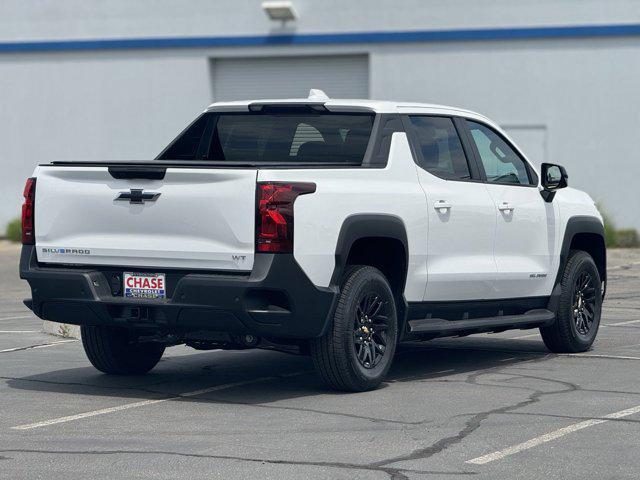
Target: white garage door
[{"x": 342, "y": 76}]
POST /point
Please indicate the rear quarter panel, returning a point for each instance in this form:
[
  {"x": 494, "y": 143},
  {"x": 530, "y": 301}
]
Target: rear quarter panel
[{"x": 340, "y": 193}]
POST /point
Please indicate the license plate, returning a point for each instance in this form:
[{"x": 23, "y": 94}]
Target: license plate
[{"x": 144, "y": 285}]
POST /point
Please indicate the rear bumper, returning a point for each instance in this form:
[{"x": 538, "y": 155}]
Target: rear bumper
[{"x": 275, "y": 300}]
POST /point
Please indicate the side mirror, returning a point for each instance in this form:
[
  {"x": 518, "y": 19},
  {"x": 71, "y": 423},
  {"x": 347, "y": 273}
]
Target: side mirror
[{"x": 554, "y": 177}]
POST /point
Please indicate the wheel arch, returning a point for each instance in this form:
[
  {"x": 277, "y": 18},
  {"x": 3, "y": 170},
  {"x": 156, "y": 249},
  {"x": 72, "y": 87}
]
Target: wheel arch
[
  {"x": 376, "y": 240},
  {"x": 587, "y": 234}
]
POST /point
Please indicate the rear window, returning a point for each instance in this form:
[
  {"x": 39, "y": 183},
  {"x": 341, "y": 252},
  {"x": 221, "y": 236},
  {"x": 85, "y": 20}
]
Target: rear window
[{"x": 300, "y": 138}]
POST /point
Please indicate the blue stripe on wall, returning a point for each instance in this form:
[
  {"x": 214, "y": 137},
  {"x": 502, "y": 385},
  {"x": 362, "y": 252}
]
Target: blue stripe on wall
[{"x": 520, "y": 33}]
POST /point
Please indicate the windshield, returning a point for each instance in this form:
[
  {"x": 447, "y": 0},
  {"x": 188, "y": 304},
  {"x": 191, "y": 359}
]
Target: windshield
[{"x": 256, "y": 137}]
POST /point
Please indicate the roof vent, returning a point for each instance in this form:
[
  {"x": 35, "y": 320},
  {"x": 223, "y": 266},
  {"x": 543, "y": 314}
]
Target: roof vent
[{"x": 317, "y": 95}]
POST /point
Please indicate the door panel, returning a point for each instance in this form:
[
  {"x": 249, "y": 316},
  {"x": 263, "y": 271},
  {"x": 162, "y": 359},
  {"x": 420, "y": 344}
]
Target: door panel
[
  {"x": 525, "y": 241},
  {"x": 526, "y": 225},
  {"x": 460, "y": 240},
  {"x": 460, "y": 212}
]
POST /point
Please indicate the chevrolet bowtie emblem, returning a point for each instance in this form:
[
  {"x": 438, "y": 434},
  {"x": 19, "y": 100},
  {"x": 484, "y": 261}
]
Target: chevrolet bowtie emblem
[{"x": 138, "y": 195}]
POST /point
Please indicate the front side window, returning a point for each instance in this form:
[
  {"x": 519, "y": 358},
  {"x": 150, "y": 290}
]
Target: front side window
[
  {"x": 440, "y": 147},
  {"x": 500, "y": 162},
  {"x": 274, "y": 138}
]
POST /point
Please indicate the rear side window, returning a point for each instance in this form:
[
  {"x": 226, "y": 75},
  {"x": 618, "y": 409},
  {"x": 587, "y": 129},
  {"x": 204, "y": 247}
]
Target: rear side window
[
  {"x": 440, "y": 147},
  {"x": 274, "y": 138},
  {"x": 185, "y": 147}
]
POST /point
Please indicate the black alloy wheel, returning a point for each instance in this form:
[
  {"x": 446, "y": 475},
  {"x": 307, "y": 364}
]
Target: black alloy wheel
[{"x": 371, "y": 325}]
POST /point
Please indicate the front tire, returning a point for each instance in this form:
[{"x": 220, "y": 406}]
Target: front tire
[
  {"x": 357, "y": 351},
  {"x": 578, "y": 315},
  {"x": 111, "y": 350}
]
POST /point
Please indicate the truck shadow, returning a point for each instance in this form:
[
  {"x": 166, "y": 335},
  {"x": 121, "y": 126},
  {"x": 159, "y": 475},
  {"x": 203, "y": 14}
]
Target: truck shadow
[{"x": 258, "y": 377}]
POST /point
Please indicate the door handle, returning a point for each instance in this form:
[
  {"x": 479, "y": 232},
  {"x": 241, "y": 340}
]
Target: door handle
[
  {"x": 442, "y": 206},
  {"x": 506, "y": 207}
]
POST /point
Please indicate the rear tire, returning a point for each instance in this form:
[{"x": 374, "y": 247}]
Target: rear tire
[
  {"x": 357, "y": 351},
  {"x": 111, "y": 350},
  {"x": 578, "y": 315}
]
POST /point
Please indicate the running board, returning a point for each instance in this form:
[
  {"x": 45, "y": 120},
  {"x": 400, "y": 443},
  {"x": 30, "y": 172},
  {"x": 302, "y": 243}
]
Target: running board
[{"x": 440, "y": 327}]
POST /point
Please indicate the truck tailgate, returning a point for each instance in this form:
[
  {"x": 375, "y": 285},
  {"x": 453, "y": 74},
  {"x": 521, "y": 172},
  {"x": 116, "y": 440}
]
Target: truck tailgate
[{"x": 203, "y": 218}]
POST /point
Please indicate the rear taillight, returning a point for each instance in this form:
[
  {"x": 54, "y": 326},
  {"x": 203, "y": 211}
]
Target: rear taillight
[
  {"x": 274, "y": 215},
  {"x": 28, "y": 234}
]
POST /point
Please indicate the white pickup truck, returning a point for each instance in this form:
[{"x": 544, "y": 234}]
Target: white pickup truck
[{"x": 335, "y": 228}]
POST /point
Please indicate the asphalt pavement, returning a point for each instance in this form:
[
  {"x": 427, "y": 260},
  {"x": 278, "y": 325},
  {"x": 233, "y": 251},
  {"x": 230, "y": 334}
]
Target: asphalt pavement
[{"x": 485, "y": 406}]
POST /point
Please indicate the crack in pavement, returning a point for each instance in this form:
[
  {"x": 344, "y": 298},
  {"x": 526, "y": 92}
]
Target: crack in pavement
[
  {"x": 571, "y": 417},
  {"x": 470, "y": 426},
  {"x": 323, "y": 412},
  {"x": 394, "y": 473},
  {"x": 621, "y": 392},
  {"x": 476, "y": 420},
  {"x": 162, "y": 395},
  {"x": 422, "y": 453}
]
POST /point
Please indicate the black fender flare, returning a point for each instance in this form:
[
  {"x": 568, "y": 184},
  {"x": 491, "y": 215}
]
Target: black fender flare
[
  {"x": 358, "y": 226},
  {"x": 577, "y": 225}
]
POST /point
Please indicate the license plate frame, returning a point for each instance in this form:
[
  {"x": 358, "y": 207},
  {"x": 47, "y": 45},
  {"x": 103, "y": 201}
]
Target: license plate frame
[{"x": 144, "y": 285}]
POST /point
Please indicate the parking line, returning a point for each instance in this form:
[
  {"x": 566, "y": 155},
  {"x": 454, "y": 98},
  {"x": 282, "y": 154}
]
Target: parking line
[
  {"x": 20, "y": 331},
  {"x": 33, "y": 347},
  {"x": 143, "y": 403},
  {"x": 626, "y": 266},
  {"x": 602, "y": 325},
  {"x": 94, "y": 413},
  {"x": 561, "y": 432},
  {"x": 537, "y": 334},
  {"x": 593, "y": 355},
  {"x": 16, "y": 318},
  {"x": 620, "y": 324}
]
